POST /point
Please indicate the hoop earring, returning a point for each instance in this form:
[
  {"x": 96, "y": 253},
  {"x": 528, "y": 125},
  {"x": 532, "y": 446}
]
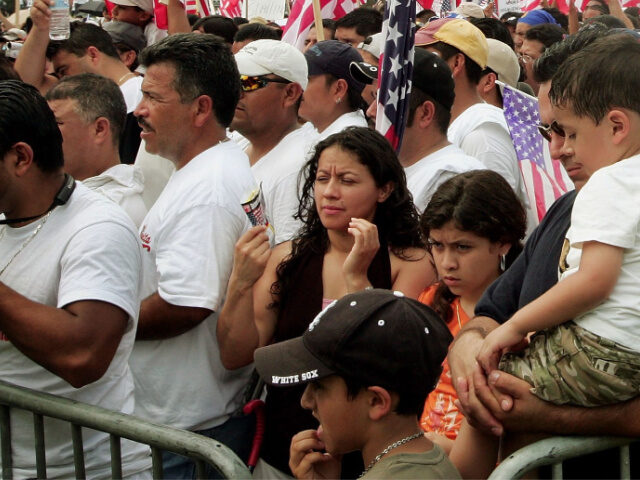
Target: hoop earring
[{"x": 503, "y": 263}]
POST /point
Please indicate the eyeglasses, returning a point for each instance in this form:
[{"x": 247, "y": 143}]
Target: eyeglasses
[
  {"x": 546, "y": 129},
  {"x": 251, "y": 83},
  {"x": 525, "y": 58}
]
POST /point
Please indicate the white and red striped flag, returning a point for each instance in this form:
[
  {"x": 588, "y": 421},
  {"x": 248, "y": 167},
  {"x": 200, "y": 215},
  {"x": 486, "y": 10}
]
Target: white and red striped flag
[
  {"x": 301, "y": 17},
  {"x": 545, "y": 180},
  {"x": 396, "y": 69},
  {"x": 231, "y": 8},
  {"x": 197, "y": 7}
]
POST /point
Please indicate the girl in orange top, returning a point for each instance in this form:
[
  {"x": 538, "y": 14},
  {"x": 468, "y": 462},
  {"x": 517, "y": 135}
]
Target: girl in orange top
[{"x": 474, "y": 224}]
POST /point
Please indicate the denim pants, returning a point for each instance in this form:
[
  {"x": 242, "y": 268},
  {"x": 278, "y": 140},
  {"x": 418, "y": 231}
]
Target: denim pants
[{"x": 236, "y": 433}]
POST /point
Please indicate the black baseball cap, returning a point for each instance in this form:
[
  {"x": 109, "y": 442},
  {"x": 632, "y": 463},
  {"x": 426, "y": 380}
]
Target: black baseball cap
[
  {"x": 364, "y": 72},
  {"x": 376, "y": 336},
  {"x": 334, "y": 57},
  {"x": 432, "y": 76}
]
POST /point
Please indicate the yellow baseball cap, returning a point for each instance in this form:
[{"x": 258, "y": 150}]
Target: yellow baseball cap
[{"x": 458, "y": 33}]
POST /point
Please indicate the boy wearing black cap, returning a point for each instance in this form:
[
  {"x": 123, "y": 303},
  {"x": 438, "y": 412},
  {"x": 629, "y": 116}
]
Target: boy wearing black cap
[{"x": 370, "y": 360}]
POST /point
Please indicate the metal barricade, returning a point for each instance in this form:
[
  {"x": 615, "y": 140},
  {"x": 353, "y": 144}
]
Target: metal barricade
[
  {"x": 118, "y": 425},
  {"x": 552, "y": 451}
]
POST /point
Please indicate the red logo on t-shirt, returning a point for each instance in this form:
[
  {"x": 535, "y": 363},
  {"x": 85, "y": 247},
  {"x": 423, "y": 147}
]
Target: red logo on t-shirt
[
  {"x": 146, "y": 239},
  {"x": 3, "y": 337}
]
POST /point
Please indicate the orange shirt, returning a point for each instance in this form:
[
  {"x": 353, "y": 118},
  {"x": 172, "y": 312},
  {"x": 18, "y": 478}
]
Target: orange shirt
[{"x": 440, "y": 414}]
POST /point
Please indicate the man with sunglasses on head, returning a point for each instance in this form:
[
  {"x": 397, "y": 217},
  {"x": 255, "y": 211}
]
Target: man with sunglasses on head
[
  {"x": 190, "y": 92},
  {"x": 505, "y": 403},
  {"x": 273, "y": 75}
]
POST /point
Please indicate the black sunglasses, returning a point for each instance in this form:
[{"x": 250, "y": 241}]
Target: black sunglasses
[{"x": 546, "y": 129}]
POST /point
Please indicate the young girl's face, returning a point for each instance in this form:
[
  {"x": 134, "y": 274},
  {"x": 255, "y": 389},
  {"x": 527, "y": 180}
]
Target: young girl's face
[{"x": 466, "y": 262}]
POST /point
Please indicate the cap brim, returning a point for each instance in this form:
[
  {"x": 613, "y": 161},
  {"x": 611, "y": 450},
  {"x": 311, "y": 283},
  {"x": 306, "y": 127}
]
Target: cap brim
[
  {"x": 247, "y": 66},
  {"x": 125, "y": 3},
  {"x": 289, "y": 363},
  {"x": 424, "y": 40},
  {"x": 363, "y": 72}
]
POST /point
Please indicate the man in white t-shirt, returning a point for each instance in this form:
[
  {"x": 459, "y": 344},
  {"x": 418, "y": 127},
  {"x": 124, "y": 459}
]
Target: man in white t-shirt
[
  {"x": 91, "y": 112},
  {"x": 69, "y": 282},
  {"x": 428, "y": 158},
  {"x": 190, "y": 92},
  {"x": 478, "y": 128},
  {"x": 273, "y": 75}
]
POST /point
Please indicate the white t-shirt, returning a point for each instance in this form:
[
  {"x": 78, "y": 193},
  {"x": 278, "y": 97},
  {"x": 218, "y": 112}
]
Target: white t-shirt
[
  {"x": 187, "y": 242},
  {"x": 278, "y": 173},
  {"x": 606, "y": 211},
  {"x": 153, "y": 34},
  {"x": 124, "y": 185},
  {"x": 481, "y": 131},
  {"x": 427, "y": 174},
  {"x": 86, "y": 250},
  {"x": 131, "y": 90},
  {"x": 349, "y": 119},
  {"x": 156, "y": 171}
]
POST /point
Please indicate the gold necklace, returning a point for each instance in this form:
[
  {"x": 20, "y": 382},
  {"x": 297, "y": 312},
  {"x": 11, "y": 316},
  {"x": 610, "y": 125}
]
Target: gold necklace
[
  {"x": 124, "y": 76},
  {"x": 458, "y": 314}
]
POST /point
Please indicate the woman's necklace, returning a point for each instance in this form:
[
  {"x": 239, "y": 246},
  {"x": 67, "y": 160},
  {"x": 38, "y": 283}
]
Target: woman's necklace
[
  {"x": 26, "y": 242},
  {"x": 458, "y": 314},
  {"x": 388, "y": 449}
]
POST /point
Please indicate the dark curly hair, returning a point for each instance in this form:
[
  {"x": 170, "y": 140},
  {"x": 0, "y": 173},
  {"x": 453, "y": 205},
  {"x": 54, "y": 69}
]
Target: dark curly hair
[
  {"x": 396, "y": 218},
  {"x": 481, "y": 202}
]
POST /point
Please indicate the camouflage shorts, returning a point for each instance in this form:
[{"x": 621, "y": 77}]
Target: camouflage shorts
[{"x": 568, "y": 364}]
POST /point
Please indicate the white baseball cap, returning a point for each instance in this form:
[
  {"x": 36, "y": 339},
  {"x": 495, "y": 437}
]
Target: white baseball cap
[
  {"x": 503, "y": 61},
  {"x": 262, "y": 57}
]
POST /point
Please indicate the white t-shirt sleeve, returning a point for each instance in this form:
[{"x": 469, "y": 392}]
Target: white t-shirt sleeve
[
  {"x": 606, "y": 211},
  {"x": 491, "y": 144},
  {"x": 102, "y": 262},
  {"x": 283, "y": 205},
  {"x": 195, "y": 256}
]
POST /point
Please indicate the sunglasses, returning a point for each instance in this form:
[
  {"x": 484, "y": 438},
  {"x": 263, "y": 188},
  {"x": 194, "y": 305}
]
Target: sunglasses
[
  {"x": 545, "y": 130},
  {"x": 252, "y": 83}
]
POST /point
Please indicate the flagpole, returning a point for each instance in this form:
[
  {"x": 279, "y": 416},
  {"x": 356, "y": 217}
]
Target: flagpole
[
  {"x": 317, "y": 16},
  {"x": 16, "y": 20}
]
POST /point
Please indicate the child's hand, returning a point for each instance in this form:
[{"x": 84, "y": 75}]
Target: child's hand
[
  {"x": 495, "y": 344},
  {"x": 307, "y": 459}
]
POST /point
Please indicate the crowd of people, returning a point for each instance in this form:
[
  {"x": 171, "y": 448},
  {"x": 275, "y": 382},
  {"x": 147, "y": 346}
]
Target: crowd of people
[{"x": 185, "y": 209}]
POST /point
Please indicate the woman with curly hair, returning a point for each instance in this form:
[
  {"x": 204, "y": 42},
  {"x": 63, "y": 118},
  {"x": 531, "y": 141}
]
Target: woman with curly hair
[
  {"x": 473, "y": 224},
  {"x": 360, "y": 229}
]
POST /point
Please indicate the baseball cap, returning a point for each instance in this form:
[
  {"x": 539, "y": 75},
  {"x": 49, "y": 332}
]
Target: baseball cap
[
  {"x": 470, "y": 9},
  {"x": 378, "y": 337},
  {"x": 334, "y": 57},
  {"x": 432, "y": 76},
  {"x": 364, "y": 72},
  {"x": 373, "y": 44},
  {"x": 146, "y": 5},
  {"x": 127, "y": 33},
  {"x": 265, "y": 56},
  {"x": 503, "y": 60},
  {"x": 537, "y": 17},
  {"x": 458, "y": 33}
]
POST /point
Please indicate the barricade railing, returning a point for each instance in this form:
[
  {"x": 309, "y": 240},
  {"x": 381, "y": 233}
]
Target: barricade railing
[
  {"x": 554, "y": 450},
  {"x": 201, "y": 450}
]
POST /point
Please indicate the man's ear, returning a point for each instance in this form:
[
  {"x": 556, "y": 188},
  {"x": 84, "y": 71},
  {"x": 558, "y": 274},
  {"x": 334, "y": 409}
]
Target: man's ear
[
  {"x": 20, "y": 159},
  {"x": 339, "y": 89},
  {"x": 458, "y": 65},
  {"x": 203, "y": 110},
  {"x": 381, "y": 402},
  {"x": 487, "y": 82},
  {"x": 102, "y": 130},
  {"x": 619, "y": 121},
  {"x": 93, "y": 54},
  {"x": 293, "y": 91},
  {"x": 426, "y": 112},
  {"x": 128, "y": 57}
]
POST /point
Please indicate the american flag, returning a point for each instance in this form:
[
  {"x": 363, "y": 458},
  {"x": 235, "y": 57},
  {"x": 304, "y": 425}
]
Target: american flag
[
  {"x": 301, "y": 17},
  {"x": 231, "y": 8},
  {"x": 544, "y": 178},
  {"x": 396, "y": 70},
  {"x": 197, "y": 7}
]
